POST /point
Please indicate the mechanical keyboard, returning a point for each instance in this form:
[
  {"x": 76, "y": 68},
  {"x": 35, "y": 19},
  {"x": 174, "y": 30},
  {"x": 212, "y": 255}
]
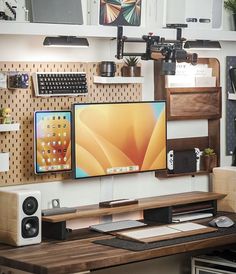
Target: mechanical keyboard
[{"x": 60, "y": 83}]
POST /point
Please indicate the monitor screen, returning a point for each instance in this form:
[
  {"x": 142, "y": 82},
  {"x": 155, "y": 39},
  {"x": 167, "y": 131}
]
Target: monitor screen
[
  {"x": 116, "y": 138},
  {"x": 52, "y": 138}
]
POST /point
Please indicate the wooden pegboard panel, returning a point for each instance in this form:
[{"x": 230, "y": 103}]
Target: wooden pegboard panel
[{"x": 23, "y": 104}]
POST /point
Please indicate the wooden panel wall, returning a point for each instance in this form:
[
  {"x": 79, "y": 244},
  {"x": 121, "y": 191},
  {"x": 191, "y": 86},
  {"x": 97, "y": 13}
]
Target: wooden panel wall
[{"x": 23, "y": 104}]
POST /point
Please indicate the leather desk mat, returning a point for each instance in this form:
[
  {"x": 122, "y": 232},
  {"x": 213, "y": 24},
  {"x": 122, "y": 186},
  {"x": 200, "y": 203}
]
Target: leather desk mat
[{"x": 137, "y": 246}]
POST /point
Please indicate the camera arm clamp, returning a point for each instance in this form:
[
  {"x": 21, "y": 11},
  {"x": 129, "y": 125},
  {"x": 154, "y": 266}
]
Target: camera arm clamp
[{"x": 159, "y": 49}]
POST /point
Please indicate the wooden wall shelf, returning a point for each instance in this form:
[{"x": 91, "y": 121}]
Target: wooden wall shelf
[
  {"x": 9, "y": 127},
  {"x": 55, "y": 226},
  {"x": 118, "y": 80},
  {"x": 191, "y": 104},
  {"x": 165, "y": 174},
  {"x": 189, "y": 143}
]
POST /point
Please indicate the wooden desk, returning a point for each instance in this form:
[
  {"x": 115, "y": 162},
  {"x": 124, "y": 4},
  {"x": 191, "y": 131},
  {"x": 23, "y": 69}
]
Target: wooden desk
[{"x": 80, "y": 254}]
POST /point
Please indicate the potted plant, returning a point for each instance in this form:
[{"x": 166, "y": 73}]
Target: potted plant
[
  {"x": 210, "y": 159},
  {"x": 130, "y": 69},
  {"x": 231, "y": 6}
]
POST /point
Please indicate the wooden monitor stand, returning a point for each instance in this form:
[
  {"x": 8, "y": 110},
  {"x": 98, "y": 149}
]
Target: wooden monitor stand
[{"x": 159, "y": 209}]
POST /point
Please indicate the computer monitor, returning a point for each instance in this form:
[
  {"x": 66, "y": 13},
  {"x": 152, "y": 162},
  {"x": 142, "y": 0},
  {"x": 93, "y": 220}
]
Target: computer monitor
[{"x": 118, "y": 138}]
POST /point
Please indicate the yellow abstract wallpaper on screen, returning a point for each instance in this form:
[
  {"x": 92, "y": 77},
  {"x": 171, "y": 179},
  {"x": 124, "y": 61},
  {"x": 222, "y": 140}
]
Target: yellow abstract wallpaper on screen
[{"x": 119, "y": 138}]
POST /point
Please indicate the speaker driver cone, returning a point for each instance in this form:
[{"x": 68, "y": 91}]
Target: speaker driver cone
[
  {"x": 30, "y": 227},
  {"x": 30, "y": 205}
]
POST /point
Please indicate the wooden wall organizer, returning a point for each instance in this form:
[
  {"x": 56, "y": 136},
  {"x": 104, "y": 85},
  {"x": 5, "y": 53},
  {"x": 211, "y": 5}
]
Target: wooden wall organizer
[
  {"x": 189, "y": 104},
  {"x": 193, "y": 103},
  {"x": 23, "y": 104}
]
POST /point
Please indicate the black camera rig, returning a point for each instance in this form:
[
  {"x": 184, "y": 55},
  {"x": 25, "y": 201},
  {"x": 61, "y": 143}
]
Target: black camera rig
[
  {"x": 3, "y": 15},
  {"x": 158, "y": 48}
]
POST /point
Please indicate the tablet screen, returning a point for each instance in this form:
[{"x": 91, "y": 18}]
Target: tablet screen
[{"x": 52, "y": 137}]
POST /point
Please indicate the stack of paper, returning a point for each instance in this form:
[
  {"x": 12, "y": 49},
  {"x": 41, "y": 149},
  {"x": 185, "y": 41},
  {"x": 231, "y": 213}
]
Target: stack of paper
[{"x": 188, "y": 75}]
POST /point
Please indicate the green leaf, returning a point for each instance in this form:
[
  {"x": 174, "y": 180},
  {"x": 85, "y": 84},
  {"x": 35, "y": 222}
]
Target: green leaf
[
  {"x": 230, "y": 5},
  {"x": 208, "y": 151},
  {"x": 131, "y": 61}
]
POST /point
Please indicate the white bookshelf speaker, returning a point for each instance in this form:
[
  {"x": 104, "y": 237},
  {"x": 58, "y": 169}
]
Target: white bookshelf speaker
[{"x": 20, "y": 217}]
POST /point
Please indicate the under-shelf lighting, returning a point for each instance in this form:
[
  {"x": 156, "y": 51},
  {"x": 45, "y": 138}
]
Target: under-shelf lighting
[
  {"x": 66, "y": 41},
  {"x": 202, "y": 45}
]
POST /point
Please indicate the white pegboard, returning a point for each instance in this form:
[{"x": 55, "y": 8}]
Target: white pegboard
[{"x": 23, "y": 104}]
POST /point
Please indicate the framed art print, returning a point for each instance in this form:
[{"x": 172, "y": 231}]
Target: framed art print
[{"x": 120, "y": 12}]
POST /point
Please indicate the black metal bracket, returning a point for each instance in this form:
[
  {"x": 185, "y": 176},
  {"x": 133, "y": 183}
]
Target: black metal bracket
[
  {"x": 57, "y": 231},
  {"x": 168, "y": 51}
]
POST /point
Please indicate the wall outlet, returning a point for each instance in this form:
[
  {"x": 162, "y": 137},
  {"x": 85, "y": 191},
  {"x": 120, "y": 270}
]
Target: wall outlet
[
  {"x": 4, "y": 161},
  {"x": 3, "y": 80}
]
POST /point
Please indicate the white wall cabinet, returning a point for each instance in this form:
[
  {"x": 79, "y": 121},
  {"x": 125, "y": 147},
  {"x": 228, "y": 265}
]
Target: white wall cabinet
[{"x": 16, "y": 28}]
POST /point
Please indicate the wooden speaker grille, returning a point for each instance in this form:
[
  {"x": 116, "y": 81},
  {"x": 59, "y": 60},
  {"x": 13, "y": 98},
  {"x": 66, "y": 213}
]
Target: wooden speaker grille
[{"x": 23, "y": 104}]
